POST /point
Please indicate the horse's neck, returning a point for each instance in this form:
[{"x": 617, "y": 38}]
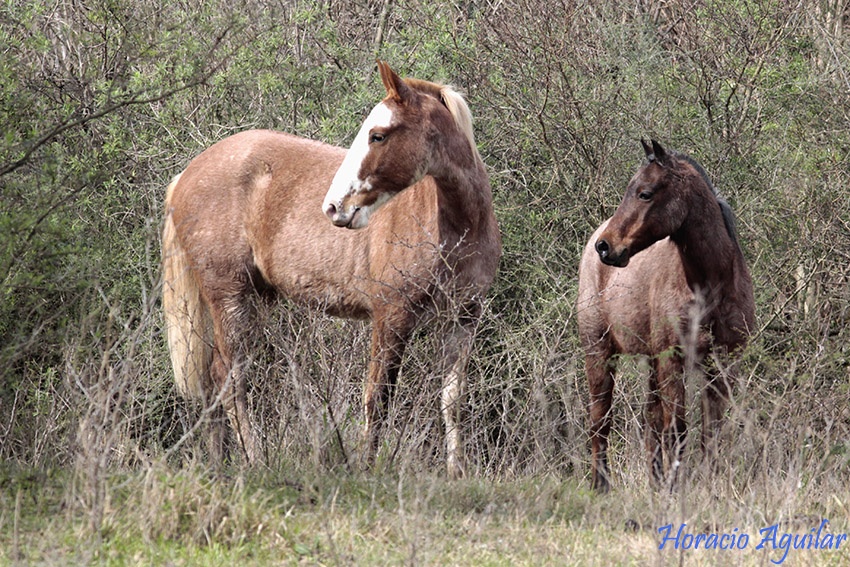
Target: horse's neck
[
  {"x": 715, "y": 267},
  {"x": 464, "y": 202},
  {"x": 463, "y": 189}
]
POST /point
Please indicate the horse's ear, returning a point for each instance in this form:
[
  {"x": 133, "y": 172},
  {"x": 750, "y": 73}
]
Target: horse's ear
[
  {"x": 647, "y": 149},
  {"x": 397, "y": 89},
  {"x": 659, "y": 152}
]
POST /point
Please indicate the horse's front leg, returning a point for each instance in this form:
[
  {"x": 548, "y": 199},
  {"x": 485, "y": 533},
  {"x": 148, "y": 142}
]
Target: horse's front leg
[
  {"x": 670, "y": 390},
  {"x": 457, "y": 345},
  {"x": 388, "y": 343},
  {"x": 600, "y": 378},
  {"x": 654, "y": 427}
]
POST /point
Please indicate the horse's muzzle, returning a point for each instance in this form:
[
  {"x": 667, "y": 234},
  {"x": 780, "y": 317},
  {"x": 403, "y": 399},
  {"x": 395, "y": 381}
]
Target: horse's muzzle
[
  {"x": 340, "y": 217},
  {"x": 609, "y": 256}
]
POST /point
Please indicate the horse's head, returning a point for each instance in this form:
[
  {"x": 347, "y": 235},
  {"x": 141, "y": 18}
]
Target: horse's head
[
  {"x": 651, "y": 209},
  {"x": 394, "y": 149}
]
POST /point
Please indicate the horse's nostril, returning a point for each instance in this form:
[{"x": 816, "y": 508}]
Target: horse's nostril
[
  {"x": 330, "y": 210},
  {"x": 602, "y": 248}
]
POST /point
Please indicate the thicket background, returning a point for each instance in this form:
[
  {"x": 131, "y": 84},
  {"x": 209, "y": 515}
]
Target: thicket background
[{"x": 103, "y": 101}]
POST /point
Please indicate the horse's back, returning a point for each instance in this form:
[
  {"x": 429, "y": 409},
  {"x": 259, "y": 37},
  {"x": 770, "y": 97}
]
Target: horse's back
[
  {"x": 638, "y": 307},
  {"x": 252, "y": 204},
  {"x": 248, "y": 209},
  {"x": 241, "y": 170}
]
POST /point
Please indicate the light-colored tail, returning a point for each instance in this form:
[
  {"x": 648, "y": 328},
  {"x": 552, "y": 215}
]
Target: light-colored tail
[{"x": 187, "y": 320}]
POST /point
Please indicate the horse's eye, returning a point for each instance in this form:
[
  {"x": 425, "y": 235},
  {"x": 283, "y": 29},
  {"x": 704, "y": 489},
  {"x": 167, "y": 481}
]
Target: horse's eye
[
  {"x": 376, "y": 138},
  {"x": 645, "y": 195}
]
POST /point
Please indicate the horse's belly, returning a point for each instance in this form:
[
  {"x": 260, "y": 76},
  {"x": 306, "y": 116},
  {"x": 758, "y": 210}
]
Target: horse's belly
[{"x": 338, "y": 300}]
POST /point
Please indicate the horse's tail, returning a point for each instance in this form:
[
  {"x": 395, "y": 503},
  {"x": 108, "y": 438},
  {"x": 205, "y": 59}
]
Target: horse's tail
[{"x": 187, "y": 320}]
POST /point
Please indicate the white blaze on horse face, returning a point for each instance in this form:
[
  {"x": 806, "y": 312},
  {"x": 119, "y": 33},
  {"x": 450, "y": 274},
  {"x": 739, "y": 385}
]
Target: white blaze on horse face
[{"x": 347, "y": 180}]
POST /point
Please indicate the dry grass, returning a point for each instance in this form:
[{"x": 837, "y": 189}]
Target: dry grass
[{"x": 137, "y": 495}]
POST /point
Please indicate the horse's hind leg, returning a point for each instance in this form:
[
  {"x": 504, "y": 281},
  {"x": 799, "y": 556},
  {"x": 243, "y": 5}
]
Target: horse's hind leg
[
  {"x": 230, "y": 318},
  {"x": 600, "y": 377},
  {"x": 714, "y": 401},
  {"x": 215, "y": 427}
]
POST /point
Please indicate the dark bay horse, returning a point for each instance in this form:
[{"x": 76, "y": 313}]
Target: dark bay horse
[
  {"x": 664, "y": 276},
  {"x": 261, "y": 211}
]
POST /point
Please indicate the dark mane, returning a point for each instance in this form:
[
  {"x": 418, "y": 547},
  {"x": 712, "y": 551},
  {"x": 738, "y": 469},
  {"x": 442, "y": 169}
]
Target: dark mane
[{"x": 725, "y": 209}]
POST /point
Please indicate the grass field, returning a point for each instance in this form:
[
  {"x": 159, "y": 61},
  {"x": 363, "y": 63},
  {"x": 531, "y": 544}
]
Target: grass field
[{"x": 185, "y": 516}]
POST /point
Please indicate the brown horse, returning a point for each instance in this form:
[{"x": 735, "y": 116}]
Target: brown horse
[
  {"x": 255, "y": 213},
  {"x": 672, "y": 284}
]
